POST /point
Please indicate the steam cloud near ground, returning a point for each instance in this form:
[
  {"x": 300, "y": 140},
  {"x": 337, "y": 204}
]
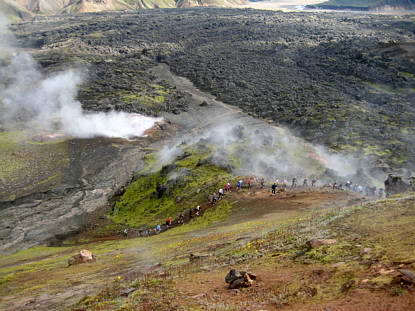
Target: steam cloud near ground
[
  {"x": 48, "y": 102},
  {"x": 274, "y": 152}
]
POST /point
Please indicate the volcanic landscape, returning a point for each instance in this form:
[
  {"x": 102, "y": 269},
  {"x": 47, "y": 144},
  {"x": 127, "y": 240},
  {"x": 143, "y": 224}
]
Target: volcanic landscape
[{"x": 176, "y": 103}]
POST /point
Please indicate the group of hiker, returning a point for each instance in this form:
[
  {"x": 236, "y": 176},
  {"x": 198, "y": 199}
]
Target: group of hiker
[
  {"x": 283, "y": 184},
  {"x": 277, "y": 185},
  {"x": 366, "y": 190}
]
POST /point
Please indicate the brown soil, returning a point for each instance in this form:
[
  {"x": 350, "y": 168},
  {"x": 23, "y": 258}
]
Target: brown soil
[{"x": 209, "y": 288}]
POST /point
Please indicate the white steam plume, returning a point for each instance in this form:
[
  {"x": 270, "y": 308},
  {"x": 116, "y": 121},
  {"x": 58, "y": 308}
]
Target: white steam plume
[
  {"x": 49, "y": 103},
  {"x": 251, "y": 147}
]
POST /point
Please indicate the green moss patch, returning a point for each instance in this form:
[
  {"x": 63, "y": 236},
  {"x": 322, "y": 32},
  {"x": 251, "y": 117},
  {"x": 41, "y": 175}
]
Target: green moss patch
[{"x": 186, "y": 183}]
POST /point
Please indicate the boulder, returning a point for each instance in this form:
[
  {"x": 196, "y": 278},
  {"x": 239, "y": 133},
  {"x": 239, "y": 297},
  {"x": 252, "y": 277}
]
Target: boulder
[
  {"x": 396, "y": 184},
  {"x": 128, "y": 291},
  {"x": 407, "y": 275},
  {"x": 83, "y": 256},
  {"x": 239, "y": 279}
]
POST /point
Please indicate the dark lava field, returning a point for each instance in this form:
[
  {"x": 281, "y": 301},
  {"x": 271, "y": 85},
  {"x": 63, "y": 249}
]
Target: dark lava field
[{"x": 344, "y": 80}]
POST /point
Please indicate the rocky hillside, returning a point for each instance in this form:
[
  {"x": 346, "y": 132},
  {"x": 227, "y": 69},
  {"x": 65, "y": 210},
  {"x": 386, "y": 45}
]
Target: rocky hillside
[
  {"x": 21, "y": 9},
  {"x": 346, "y": 81}
]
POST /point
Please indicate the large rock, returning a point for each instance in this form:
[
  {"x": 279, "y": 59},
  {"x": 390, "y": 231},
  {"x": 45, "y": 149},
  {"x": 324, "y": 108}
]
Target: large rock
[
  {"x": 396, "y": 184},
  {"x": 239, "y": 279},
  {"x": 83, "y": 257}
]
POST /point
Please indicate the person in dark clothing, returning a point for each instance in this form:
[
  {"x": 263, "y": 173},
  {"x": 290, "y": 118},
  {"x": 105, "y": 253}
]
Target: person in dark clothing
[
  {"x": 190, "y": 214},
  {"x": 125, "y": 233},
  {"x": 214, "y": 198},
  {"x": 273, "y": 187},
  {"x": 294, "y": 182},
  {"x": 181, "y": 219},
  {"x": 262, "y": 183},
  {"x": 313, "y": 182},
  {"x": 305, "y": 182}
]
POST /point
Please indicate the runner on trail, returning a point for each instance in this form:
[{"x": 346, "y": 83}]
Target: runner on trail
[
  {"x": 335, "y": 185},
  {"x": 273, "y": 187},
  {"x": 294, "y": 182},
  {"x": 228, "y": 187},
  {"x": 305, "y": 182},
  {"x": 125, "y": 233},
  {"x": 249, "y": 183},
  {"x": 262, "y": 183},
  {"x": 168, "y": 223},
  {"x": 313, "y": 182},
  {"x": 158, "y": 229}
]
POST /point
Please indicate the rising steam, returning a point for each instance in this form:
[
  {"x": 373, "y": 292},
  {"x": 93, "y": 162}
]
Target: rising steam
[{"x": 48, "y": 102}]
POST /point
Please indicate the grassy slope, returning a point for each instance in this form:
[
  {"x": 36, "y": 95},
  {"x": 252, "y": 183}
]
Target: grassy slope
[
  {"x": 291, "y": 274},
  {"x": 384, "y": 226},
  {"x": 187, "y": 185}
]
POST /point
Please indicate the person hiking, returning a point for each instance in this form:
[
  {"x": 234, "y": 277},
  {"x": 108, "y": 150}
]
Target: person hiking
[
  {"x": 240, "y": 184},
  {"x": 380, "y": 192},
  {"x": 347, "y": 185},
  {"x": 273, "y": 187},
  {"x": 305, "y": 182},
  {"x": 197, "y": 210},
  {"x": 168, "y": 223},
  {"x": 284, "y": 183},
  {"x": 277, "y": 182},
  {"x": 125, "y": 233},
  {"x": 221, "y": 193},
  {"x": 262, "y": 183},
  {"x": 335, "y": 185},
  {"x": 190, "y": 214},
  {"x": 214, "y": 199},
  {"x": 158, "y": 229},
  {"x": 181, "y": 219},
  {"x": 294, "y": 182},
  {"x": 249, "y": 183},
  {"x": 313, "y": 182},
  {"x": 228, "y": 187}
]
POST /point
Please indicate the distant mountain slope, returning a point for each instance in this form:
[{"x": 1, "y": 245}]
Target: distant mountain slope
[
  {"x": 21, "y": 9},
  {"x": 364, "y": 5},
  {"x": 13, "y": 10}
]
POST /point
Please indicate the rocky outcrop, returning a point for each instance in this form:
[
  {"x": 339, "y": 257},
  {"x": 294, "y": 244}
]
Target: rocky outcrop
[
  {"x": 239, "y": 279},
  {"x": 397, "y": 184},
  {"x": 84, "y": 256}
]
